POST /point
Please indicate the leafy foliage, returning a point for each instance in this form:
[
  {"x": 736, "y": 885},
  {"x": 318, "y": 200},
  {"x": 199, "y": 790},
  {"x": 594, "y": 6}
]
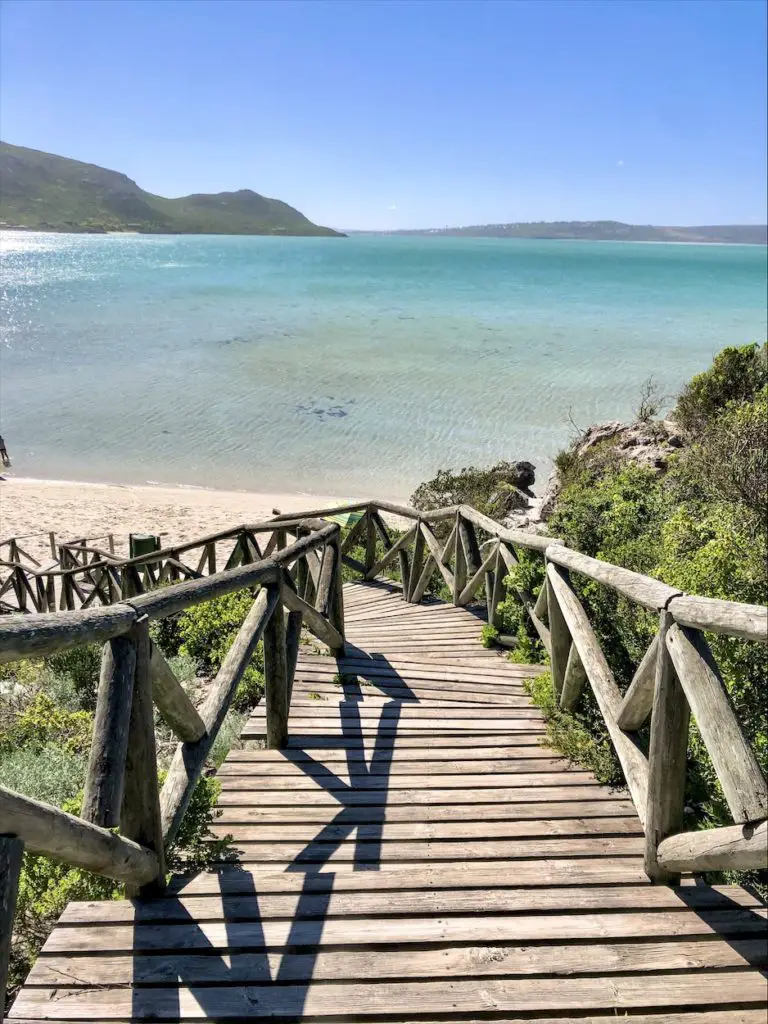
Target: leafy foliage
[
  {"x": 737, "y": 375},
  {"x": 206, "y": 633}
]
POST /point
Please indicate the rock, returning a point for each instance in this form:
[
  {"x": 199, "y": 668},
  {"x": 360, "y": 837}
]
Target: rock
[{"x": 508, "y": 499}]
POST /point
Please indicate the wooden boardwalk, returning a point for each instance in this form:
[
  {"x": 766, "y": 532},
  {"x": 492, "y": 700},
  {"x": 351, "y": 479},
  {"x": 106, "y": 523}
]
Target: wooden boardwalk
[{"x": 413, "y": 855}]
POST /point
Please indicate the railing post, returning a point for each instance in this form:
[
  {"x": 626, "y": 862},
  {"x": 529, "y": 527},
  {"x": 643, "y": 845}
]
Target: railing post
[
  {"x": 11, "y": 851},
  {"x": 276, "y": 674},
  {"x": 140, "y": 818},
  {"x": 666, "y": 758},
  {"x": 106, "y": 765},
  {"x": 560, "y": 638},
  {"x": 336, "y": 614},
  {"x": 370, "y": 540},
  {"x": 417, "y": 563},
  {"x": 498, "y": 593},
  {"x": 460, "y": 570}
]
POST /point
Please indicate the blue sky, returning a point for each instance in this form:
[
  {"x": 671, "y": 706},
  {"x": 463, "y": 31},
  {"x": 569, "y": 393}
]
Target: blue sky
[{"x": 406, "y": 114}]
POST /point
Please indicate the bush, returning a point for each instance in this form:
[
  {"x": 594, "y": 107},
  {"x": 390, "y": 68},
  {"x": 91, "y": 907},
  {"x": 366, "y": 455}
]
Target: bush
[
  {"x": 493, "y": 491},
  {"x": 48, "y": 772},
  {"x": 81, "y": 666},
  {"x": 736, "y": 376},
  {"x": 207, "y": 632}
]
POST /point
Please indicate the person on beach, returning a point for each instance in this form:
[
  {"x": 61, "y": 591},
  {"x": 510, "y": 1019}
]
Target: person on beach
[{"x": 6, "y": 460}]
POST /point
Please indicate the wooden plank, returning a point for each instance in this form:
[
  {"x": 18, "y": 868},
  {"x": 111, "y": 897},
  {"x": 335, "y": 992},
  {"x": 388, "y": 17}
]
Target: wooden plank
[
  {"x": 422, "y": 782},
  {"x": 421, "y": 902},
  {"x": 287, "y": 814},
  {"x": 242, "y": 769},
  {"x": 107, "y": 761},
  {"x": 11, "y": 853},
  {"x": 518, "y": 928},
  {"x": 737, "y": 769},
  {"x": 542, "y": 828},
  {"x": 451, "y": 962},
  {"x": 524, "y": 995},
  {"x": 513, "y": 795}
]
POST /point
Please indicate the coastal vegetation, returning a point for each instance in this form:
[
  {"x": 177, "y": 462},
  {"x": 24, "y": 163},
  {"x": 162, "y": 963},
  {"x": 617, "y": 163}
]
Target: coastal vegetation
[
  {"x": 695, "y": 517},
  {"x": 43, "y": 192}
]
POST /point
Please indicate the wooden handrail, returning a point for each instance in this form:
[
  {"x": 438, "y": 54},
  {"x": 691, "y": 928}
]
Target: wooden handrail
[{"x": 298, "y": 572}]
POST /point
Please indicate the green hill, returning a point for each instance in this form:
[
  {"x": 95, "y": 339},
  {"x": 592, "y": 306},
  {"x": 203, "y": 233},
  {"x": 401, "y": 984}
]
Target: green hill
[{"x": 43, "y": 192}]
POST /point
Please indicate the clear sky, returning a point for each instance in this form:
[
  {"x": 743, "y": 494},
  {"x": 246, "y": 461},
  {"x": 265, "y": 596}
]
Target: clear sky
[{"x": 406, "y": 114}]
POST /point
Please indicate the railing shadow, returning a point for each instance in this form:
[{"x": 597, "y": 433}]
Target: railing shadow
[{"x": 243, "y": 955}]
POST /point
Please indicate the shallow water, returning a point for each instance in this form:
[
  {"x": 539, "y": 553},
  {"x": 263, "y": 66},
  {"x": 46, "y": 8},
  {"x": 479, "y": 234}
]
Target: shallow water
[{"x": 349, "y": 366}]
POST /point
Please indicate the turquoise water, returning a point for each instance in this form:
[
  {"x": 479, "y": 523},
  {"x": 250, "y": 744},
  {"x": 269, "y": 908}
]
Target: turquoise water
[{"x": 349, "y": 366}]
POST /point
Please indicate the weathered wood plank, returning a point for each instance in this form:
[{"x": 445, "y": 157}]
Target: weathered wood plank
[{"x": 521, "y": 995}]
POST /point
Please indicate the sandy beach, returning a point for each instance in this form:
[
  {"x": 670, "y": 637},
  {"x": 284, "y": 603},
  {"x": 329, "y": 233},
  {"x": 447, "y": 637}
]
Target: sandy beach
[{"x": 177, "y": 513}]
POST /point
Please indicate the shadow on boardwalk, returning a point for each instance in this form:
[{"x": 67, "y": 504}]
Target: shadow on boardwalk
[{"x": 288, "y": 985}]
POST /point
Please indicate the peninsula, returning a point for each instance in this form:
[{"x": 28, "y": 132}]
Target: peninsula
[{"x": 43, "y": 192}]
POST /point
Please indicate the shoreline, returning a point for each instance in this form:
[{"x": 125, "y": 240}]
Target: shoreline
[{"x": 74, "y": 509}]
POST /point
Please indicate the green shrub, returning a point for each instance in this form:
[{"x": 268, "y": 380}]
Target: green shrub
[
  {"x": 45, "y": 772},
  {"x": 735, "y": 376},
  {"x": 43, "y": 721},
  {"x": 207, "y": 632},
  {"x": 489, "y": 635},
  {"x": 573, "y": 734},
  {"x": 81, "y": 666}
]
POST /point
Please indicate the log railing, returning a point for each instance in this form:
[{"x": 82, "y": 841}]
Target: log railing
[
  {"x": 122, "y": 790},
  {"x": 296, "y": 575},
  {"x": 676, "y": 678}
]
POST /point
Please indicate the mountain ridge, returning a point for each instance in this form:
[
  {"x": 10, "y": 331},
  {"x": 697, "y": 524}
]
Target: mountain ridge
[
  {"x": 41, "y": 191},
  {"x": 603, "y": 231}
]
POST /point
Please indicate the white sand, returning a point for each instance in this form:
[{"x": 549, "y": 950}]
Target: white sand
[{"x": 74, "y": 510}]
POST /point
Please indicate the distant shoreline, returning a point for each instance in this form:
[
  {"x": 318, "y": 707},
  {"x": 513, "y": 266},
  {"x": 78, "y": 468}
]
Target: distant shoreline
[{"x": 381, "y": 234}]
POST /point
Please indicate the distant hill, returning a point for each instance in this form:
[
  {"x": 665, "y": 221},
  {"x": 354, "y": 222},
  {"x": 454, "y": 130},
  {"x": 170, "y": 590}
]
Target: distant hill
[
  {"x": 609, "y": 230},
  {"x": 43, "y": 192}
]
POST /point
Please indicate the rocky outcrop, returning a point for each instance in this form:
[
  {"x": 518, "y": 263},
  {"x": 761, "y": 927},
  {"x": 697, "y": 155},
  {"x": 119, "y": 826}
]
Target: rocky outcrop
[{"x": 644, "y": 443}]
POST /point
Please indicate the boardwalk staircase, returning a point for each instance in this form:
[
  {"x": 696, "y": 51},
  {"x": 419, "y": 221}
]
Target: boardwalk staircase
[{"x": 407, "y": 847}]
